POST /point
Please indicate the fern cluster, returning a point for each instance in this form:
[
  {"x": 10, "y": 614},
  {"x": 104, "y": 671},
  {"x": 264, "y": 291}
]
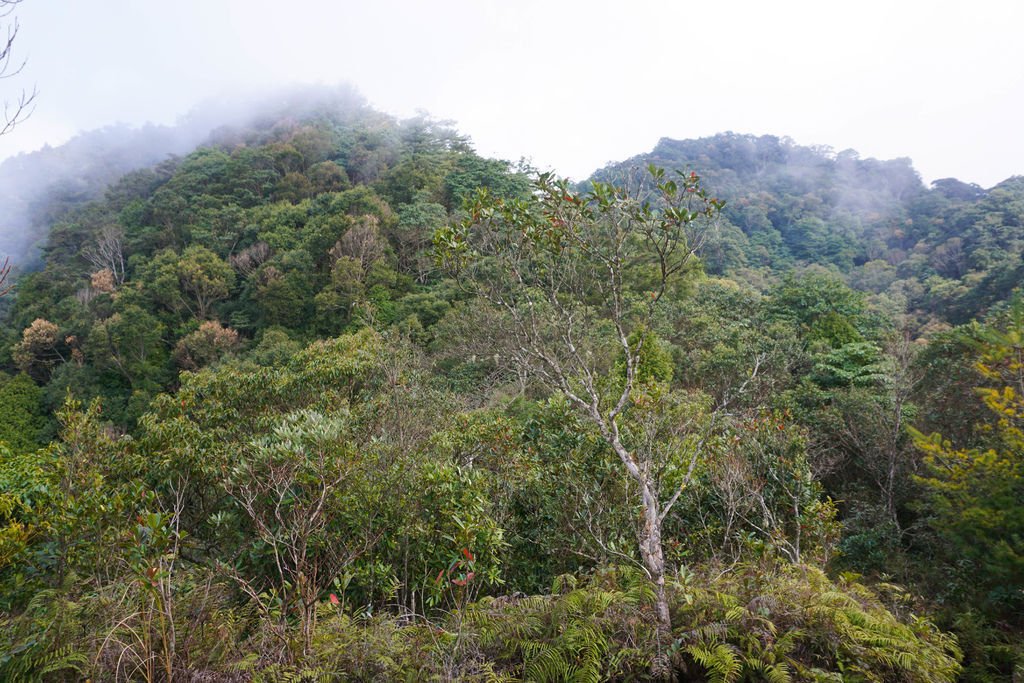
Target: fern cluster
[
  {"x": 600, "y": 631},
  {"x": 40, "y": 646},
  {"x": 741, "y": 624},
  {"x": 792, "y": 623}
]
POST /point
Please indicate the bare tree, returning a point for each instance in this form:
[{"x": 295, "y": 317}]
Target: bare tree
[
  {"x": 17, "y": 110},
  {"x": 362, "y": 242},
  {"x": 737, "y": 489},
  {"x": 579, "y": 279},
  {"x": 247, "y": 261},
  {"x": 5, "y": 270},
  {"x": 108, "y": 252}
]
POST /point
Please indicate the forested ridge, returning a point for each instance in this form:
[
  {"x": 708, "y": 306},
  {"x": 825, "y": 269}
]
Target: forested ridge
[
  {"x": 942, "y": 253},
  {"x": 333, "y": 397}
]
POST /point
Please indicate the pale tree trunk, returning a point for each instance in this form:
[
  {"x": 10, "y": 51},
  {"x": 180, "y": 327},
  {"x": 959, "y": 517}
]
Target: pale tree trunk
[
  {"x": 654, "y": 560},
  {"x": 651, "y": 551}
]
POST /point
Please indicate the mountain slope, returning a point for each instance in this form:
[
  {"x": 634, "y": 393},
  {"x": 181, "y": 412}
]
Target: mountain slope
[{"x": 947, "y": 252}]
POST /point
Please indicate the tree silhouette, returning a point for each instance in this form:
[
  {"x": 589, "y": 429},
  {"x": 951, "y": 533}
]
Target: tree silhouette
[{"x": 16, "y": 110}]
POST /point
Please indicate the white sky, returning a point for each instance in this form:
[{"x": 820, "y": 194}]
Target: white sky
[{"x": 570, "y": 85}]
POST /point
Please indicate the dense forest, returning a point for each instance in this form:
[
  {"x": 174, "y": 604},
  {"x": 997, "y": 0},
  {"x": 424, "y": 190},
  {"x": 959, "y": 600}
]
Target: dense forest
[{"x": 333, "y": 397}]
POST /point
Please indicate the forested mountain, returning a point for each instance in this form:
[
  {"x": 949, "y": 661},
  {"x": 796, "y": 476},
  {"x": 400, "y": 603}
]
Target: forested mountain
[
  {"x": 944, "y": 253},
  {"x": 38, "y": 188},
  {"x": 333, "y": 397},
  {"x": 295, "y": 226}
]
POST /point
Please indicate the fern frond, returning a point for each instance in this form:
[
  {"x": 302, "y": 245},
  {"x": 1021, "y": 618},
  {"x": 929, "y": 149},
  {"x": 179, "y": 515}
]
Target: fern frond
[{"x": 720, "y": 662}]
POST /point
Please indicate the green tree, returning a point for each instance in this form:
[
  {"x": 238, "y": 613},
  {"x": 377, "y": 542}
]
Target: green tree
[
  {"x": 193, "y": 281},
  {"x": 417, "y": 223},
  {"x": 299, "y": 487},
  {"x": 823, "y": 308},
  {"x": 472, "y": 173},
  {"x": 129, "y": 342},
  {"x": 575, "y": 277},
  {"x": 205, "y": 279},
  {"x": 22, "y": 418}
]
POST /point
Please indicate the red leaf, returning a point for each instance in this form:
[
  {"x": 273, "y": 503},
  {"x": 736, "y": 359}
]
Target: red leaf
[{"x": 334, "y": 599}]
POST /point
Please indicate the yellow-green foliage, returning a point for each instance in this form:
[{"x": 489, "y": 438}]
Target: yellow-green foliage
[
  {"x": 792, "y": 623},
  {"x": 21, "y": 413},
  {"x": 974, "y": 494},
  {"x": 16, "y": 527},
  {"x": 378, "y": 648}
]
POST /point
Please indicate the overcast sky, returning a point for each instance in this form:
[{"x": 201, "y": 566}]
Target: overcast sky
[{"x": 570, "y": 85}]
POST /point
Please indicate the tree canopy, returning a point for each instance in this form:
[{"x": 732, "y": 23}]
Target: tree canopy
[{"x": 334, "y": 397}]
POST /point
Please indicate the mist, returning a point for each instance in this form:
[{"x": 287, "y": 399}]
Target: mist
[
  {"x": 570, "y": 86},
  {"x": 38, "y": 188}
]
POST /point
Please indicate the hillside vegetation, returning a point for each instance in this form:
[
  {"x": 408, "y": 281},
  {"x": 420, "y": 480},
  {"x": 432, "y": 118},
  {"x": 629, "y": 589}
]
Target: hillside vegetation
[
  {"x": 945, "y": 253},
  {"x": 333, "y": 397}
]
